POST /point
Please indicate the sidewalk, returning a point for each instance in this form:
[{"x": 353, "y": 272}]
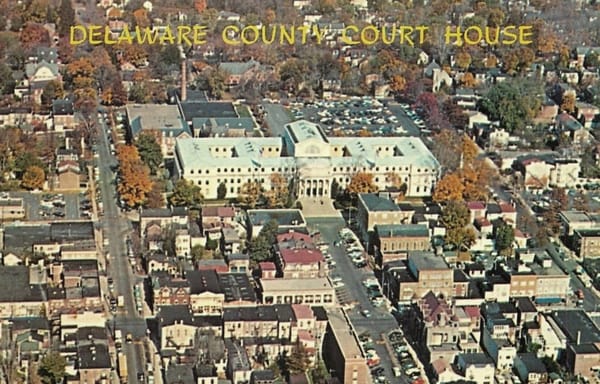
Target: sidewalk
[{"x": 318, "y": 207}]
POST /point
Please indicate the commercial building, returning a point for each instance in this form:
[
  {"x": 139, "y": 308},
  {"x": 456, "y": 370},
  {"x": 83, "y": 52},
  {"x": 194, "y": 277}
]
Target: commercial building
[
  {"x": 342, "y": 351},
  {"x": 308, "y": 157}
]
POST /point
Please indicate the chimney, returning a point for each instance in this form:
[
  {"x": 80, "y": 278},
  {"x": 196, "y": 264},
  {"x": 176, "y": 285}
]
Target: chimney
[
  {"x": 578, "y": 337},
  {"x": 183, "y": 79}
]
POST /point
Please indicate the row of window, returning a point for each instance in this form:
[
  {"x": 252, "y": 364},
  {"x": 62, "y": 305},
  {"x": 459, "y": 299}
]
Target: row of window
[
  {"x": 335, "y": 169},
  {"x": 299, "y": 299},
  {"x": 239, "y": 170}
]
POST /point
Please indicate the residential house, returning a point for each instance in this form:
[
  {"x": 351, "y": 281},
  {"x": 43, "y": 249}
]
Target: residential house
[
  {"x": 178, "y": 329},
  {"x": 530, "y": 368},
  {"x": 238, "y": 262},
  {"x": 573, "y": 130},
  {"x": 207, "y": 296},
  {"x": 37, "y": 75},
  {"x": 239, "y": 72},
  {"x": 63, "y": 115},
  {"x": 475, "y": 367},
  {"x": 587, "y": 113},
  {"x": 231, "y": 241},
  {"x": 301, "y": 263},
  {"x": 216, "y": 218},
  {"x": 168, "y": 291},
  {"x": 548, "y": 111},
  {"x": 158, "y": 261}
]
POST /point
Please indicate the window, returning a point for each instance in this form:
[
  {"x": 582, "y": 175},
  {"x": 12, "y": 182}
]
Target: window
[
  {"x": 207, "y": 182},
  {"x": 218, "y": 170},
  {"x": 191, "y": 171}
]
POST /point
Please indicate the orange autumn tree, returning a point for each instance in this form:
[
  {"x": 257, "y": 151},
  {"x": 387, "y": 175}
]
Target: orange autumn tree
[
  {"x": 470, "y": 181},
  {"x": 135, "y": 183},
  {"x": 362, "y": 182}
]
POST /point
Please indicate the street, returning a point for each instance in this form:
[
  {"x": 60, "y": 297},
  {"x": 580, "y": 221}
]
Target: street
[
  {"x": 116, "y": 228},
  {"x": 381, "y": 321},
  {"x": 276, "y": 116}
]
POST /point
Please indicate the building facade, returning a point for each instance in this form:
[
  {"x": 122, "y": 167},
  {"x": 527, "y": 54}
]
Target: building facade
[{"x": 306, "y": 156}]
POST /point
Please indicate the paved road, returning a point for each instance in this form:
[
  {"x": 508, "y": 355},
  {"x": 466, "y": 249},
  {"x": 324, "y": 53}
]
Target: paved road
[
  {"x": 381, "y": 321},
  {"x": 276, "y": 117},
  {"x": 591, "y": 301},
  {"x": 116, "y": 227},
  {"x": 404, "y": 120}
]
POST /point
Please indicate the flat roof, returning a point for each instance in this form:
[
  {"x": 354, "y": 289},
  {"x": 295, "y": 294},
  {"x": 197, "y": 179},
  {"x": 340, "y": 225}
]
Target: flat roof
[
  {"x": 284, "y": 217},
  {"x": 366, "y": 152},
  {"x": 295, "y": 285},
  {"x": 424, "y": 260},
  {"x": 155, "y": 116},
  {"x": 406, "y": 230},
  {"x": 376, "y": 203},
  {"x": 577, "y": 324},
  {"x": 344, "y": 335}
]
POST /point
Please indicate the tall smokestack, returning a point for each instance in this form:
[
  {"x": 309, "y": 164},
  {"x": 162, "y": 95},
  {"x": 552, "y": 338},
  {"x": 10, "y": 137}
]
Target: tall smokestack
[
  {"x": 578, "y": 337},
  {"x": 183, "y": 80},
  {"x": 183, "y": 74}
]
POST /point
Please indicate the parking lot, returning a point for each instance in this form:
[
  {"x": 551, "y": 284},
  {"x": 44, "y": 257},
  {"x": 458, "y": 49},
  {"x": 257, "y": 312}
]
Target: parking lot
[
  {"x": 55, "y": 206},
  {"x": 350, "y": 117}
]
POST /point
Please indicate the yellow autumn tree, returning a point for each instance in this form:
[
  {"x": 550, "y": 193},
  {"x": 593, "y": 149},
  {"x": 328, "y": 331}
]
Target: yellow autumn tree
[
  {"x": 362, "y": 182},
  {"x": 278, "y": 196},
  {"x": 449, "y": 188},
  {"x": 33, "y": 178}
]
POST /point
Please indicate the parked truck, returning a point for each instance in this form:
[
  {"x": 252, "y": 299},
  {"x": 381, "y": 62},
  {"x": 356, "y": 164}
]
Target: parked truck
[
  {"x": 120, "y": 301},
  {"x": 123, "y": 368}
]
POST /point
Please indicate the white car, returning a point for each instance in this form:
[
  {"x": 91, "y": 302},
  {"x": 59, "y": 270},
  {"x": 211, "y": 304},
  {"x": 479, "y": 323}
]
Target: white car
[
  {"x": 335, "y": 279},
  {"x": 338, "y": 284}
]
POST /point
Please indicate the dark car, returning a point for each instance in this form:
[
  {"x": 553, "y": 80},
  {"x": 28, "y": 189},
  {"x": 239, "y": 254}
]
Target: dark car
[{"x": 141, "y": 376}]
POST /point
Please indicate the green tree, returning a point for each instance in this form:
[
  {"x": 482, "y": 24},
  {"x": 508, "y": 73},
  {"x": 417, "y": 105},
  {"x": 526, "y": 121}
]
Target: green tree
[
  {"x": 455, "y": 218},
  {"x": 221, "y": 191},
  {"x": 52, "y": 368},
  {"x": 505, "y": 237},
  {"x": 7, "y": 83},
  {"x": 199, "y": 253},
  {"x": 185, "y": 194},
  {"x": 513, "y": 103},
  {"x": 298, "y": 361},
  {"x": 260, "y": 246},
  {"x": 551, "y": 365},
  {"x": 52, "y": 91},
  {"x": 149, "y": 151},
  {"x": 214, "y": 81},
  {"x": 66, "y": 17},
  {"x": 250, "y": 193},
  {"x": 25, "y": 160}
]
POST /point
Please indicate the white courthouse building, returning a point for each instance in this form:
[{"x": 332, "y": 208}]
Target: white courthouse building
[{"x": 304, "y": 154}]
